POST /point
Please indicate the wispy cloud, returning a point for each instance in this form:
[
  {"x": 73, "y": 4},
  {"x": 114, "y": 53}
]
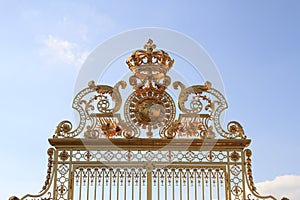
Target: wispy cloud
[
  {"x": 282, "y": 186},
  {"x": 62, "y": 52},
  {"x": 87, "y": 28}
]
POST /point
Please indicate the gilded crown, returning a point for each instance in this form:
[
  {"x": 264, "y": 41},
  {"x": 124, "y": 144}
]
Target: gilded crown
[{"x": 149, "y": 57}]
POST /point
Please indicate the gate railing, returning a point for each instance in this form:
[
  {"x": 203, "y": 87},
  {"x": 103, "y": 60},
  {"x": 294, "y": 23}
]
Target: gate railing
[
  {"x": 134, "y": 182},
  {"x": 89, "y": 171}
]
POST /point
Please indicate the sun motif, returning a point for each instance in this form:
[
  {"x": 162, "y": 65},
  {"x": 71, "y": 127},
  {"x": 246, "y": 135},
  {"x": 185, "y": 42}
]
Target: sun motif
[{"x": 150, "y": 110}]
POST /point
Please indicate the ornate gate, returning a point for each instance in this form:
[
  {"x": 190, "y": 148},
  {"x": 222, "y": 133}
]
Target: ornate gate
[{"x": 149, "y": 148}]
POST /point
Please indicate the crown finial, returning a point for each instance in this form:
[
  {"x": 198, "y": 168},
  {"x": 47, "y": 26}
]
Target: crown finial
[
  {"x": 149, "y": 46},
  {"x": 149, "y": 56},
  {"x": 150, "y": 66}
]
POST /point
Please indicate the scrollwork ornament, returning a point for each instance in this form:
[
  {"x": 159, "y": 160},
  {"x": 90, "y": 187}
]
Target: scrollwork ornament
[
  {"x": 161, "y": 81},
  {"x": 136, "y": 83},
  {"x": 63, "y": 128},
  {"x": 91, "y": 133},
  {"x": 201, "y": 102},
  {"x": 128, "y": 131},
  {"x": 129, "y": 134},
  {"x": 196, "y": 90},
  {"x": 116, "y": 96},
  {"x": 235, "y": 128},
  {"x": 172, "y": 130},
  {"x": 84, "y": 108}
]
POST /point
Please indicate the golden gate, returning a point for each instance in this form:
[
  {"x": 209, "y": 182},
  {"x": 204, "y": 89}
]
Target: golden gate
[{"x": 149, "y": 147}]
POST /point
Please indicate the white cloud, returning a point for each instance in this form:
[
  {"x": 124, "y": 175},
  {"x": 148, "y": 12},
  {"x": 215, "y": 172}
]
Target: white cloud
[
  {"x": 62, "y": 52},
  {"x": 282, "y": 186}
]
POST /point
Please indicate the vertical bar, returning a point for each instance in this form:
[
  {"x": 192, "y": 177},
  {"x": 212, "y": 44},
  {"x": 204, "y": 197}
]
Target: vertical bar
[
  {"x": 166, "y": 185},
  {"x": 173, "y": 184},
  {"x": 118, "y": 184},
  {"x": 202, "y": 183},
  {"x": 149, "y": 184},
  {"x": 55, "y": 171},
  {"x": 218, "y": 185},
  {"x": 71, "y": 177},
  {"x": 95, "y": 186},
  {"x": 103, "y": 170},
  {"x": 125, "y": 179},
  {"x": 158, "y": 185},
  {"x": 243, "y": 174},
  {"x": 80, "y": 185},
  {"x": 195, "y": 183},
  {"x": 110, "y": 183},
  {"x": 188, "y": 183},
  {"x": 140, "y": 184},
  {"x": 210, "y": 184},
  {"x": 132, "y": 183},
  {"x": 88, "y": 185},
  {"x": 71, "y": 180},
  {"x": 180, "y": 181},
  {"x": 227, "y": 178}
]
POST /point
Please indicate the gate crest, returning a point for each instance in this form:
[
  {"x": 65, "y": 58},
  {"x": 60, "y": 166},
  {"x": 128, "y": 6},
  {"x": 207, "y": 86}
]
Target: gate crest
[
  {"x": 149, "y": 106},
  {"x": 150, "y": 145}
]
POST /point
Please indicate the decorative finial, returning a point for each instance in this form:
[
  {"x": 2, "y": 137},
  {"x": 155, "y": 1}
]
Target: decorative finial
[{"x": 149, "y": 46}]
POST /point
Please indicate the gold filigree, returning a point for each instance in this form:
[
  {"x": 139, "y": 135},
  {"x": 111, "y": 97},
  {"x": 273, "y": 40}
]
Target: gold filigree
[
  {"x": 206, "y": 100},
  {"x": 113, "y": 91},
  {"x": 195, "y": 126},
  {"x": 196, "y": 104},
  {"x": 86, "y": 108}
]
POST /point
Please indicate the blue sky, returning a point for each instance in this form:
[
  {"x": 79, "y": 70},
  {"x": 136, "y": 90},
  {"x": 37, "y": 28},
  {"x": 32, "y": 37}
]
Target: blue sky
[{"x": 255, "y": 45}]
